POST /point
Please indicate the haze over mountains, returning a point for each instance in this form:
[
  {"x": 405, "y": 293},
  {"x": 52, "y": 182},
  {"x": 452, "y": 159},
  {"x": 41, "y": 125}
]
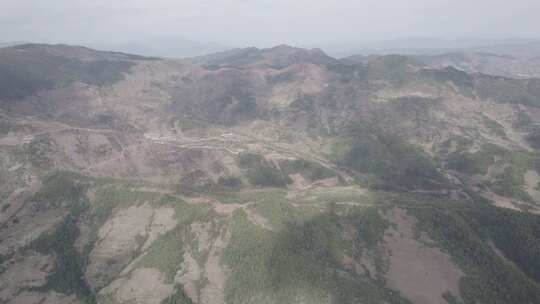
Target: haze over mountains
[
  {"x": 171, "y": 47},
  {"x": 510, "y": 58},
  {"x": 268, "y": 175},
  {"x": 437, "y": 46},
  {"x": 180, "y": 47}
]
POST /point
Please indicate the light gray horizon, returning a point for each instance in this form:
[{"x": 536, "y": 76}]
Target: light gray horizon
[{"x": 264, "y": 23}]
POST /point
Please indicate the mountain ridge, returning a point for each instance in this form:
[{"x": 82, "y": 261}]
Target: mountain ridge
[
  {"x": 278, "y": 175},
  {"x": 279, "y": 57}
]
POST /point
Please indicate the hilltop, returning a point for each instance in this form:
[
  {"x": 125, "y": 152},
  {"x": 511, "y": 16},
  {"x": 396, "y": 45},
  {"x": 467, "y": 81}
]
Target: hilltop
[{"x": 277, "y": 175}]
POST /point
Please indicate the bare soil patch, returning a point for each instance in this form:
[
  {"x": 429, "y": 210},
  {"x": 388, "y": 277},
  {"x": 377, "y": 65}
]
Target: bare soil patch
[
  {"x": 215, "y": 272},
  {"x": 26, "y": 272},
  {"x": 188, "y": 277},
  {"x": 532, "y": 178},
  {"x": 163, "y": 220},
  {"x": 145, "y": 286},
  {"x": 422, "y": 274},
  {"x": 257, "y": 219},
  {"x": 119, "y": 237}
]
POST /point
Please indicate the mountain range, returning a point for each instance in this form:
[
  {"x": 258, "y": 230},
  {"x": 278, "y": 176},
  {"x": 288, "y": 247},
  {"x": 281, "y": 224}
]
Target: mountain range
[{"x": 279, "y": 175}]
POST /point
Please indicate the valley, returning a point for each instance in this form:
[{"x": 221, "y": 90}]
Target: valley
[{"x": 277, "y": 175}]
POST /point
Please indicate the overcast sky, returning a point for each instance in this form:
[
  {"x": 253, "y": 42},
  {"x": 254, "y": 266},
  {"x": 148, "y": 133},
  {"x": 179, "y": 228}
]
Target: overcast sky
[{"x": 264, "y": 22}]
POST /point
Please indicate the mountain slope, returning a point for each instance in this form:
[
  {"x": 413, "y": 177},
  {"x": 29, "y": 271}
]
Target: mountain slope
[
  {"x": 487, "y": 63},
  {"x": 277, "y": 57},
  {"x": 266, "y": 176},
  {"x": 28, "y": 68}
]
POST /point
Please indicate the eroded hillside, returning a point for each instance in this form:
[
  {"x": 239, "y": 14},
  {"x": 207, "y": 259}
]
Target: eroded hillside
[{"x": 264, "y": 176}]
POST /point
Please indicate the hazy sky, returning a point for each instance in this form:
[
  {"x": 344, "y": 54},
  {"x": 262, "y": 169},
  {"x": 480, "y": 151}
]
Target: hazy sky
[{"x": 264, "y": 22}]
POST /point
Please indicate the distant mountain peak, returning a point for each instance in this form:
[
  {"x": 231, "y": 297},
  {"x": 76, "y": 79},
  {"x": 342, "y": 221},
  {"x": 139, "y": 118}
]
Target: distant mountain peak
[
  {"x": 277, "y": 57},
  {"x": 72, "y": 52}
]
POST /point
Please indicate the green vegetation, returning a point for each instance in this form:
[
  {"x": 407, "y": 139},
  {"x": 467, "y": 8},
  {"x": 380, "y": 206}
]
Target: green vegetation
[
  {"x": 280, "y": 213},
  {"x": 245, "y": 103},
  {"x": 5, "y": 126},
  {"x": 68, "y": 274},
  {"x": 303, "y": 260},
  {"x": 166, "y": 253},
  {"x": 523, "y": 121},
  {"x": 333, "y": 195},
  {"x": 508, "y": 90},
  {"x": 247, "y": 196},
  {"x": 413, "y": 107},
  {"x": 4, "y": 258},
  {"x": 112, "y": 196},
  {"x": 38, "y": 152},
  {"x": 185, "y": 123},
  {"x": 510, "y": 183},
  {"x": 198, "y": 182},
  {"x": 394, "y": 163},
  {"x": 229, "y": 182},
  {"x": 179, "y": 297},
  {"x": 234, "y": 105},
  {"x": 456, "y": 143},
  {"x": 370, "y": 226},
  {"x": 393, "y": 68},
  {"x": 461, "y": 80},
  {"x": 4, "y": 206},
  {"x": 262, "y": 173},
  {"x": 195, "y": 182},
  {"x": 303, "y": 103},
  {"x": 493, "y": 127},
  {"x": 347, "y": 72},
  {"x": 465, "y": 230},
  {"x": 312, "y": 171},
  {"x": 450, "y": 298},
  {"x": 533, "y": 138},
  {"x": 477, "y": 162},
  {"x": 302, "y": 257},
  {"x": 516, "y": 234},
  {"x": 61, "y": 190},
  {"x": 27, "y": 69}
]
